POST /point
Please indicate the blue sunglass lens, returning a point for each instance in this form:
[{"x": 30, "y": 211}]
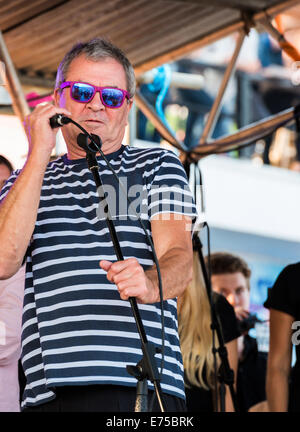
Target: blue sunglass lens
[
  {"x": 112, "y": 97},
  {"x": 82, "y": 92}
]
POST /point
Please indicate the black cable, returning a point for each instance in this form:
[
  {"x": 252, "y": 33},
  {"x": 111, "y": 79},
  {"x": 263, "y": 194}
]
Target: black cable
[
  {"x": 208, "y": 251},
  {"x": 214, "y": 349},
  {"x": 226, "y": 375},
  {"x": 145, "y": 231},
  {"x": 198, "y": 180}
]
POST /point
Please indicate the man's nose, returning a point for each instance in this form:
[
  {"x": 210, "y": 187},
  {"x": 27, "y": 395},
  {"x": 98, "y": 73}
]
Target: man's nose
[
  {"x": 96, "y": 103},
  {"x": 231, "y": 299}
]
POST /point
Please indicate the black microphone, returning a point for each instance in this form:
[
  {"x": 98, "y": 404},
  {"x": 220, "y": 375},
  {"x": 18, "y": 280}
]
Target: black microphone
[
  {"x": 87, "y": 144},
  {"x": 59, "y": 120},
  {"x": 248, "y": 323}
]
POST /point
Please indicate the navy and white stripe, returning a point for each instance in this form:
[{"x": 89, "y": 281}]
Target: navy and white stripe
[{"x": 76, "y": 329}]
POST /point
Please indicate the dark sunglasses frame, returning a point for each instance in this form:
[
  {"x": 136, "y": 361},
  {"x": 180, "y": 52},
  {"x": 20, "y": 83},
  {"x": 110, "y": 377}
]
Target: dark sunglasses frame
[{"x": 95, "y": 90}]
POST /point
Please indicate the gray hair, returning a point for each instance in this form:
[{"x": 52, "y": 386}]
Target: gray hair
[{"x": 96, "y": 50}]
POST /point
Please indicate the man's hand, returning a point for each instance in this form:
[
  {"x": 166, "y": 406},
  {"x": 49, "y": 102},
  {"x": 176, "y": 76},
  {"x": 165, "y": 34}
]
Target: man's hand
[
  {"x": 41, "y": 137},
  {"x": 173, "y": 246},
  {"x": 131, "y": 280},
  {"x": 241, "y": 313}
]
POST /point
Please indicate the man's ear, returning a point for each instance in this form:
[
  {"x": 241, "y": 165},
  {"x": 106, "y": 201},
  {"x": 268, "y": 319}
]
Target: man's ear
[
  {"x": 129, "y": 106},
  {"x": 56, "y": 97},
  {"x": 130, "y": 103}
]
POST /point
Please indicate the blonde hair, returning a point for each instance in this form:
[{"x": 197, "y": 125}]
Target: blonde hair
[{"x": 194, "y": 320}]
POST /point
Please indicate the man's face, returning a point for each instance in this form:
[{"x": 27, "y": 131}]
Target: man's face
[
  {"x": 4, "y": 174},
  {"x": 234, "y": 287},
  {"x": 108, "y": 123}
]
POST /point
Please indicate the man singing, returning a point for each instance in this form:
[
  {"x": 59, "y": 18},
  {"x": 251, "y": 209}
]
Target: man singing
[{"x": 78, "y": 332}]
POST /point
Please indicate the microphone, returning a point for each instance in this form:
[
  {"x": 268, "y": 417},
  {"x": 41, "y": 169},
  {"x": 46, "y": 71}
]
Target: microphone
[
  {"x": 248, "y": 323},
  {"x": 59, "y": 120},
  {"x": 87, "y": 144}
]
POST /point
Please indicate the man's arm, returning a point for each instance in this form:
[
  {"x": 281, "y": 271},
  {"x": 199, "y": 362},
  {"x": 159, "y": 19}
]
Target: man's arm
[
  {"x": 173, "y": 245},
  {"x": 19, "y": 208},
  {"x": 233, "y": 363},
  {"x": 279, "y": 360},
  {"x": 17, "y": 217}
]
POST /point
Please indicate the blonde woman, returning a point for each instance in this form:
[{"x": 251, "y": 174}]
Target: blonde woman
[{"x": 194, "y": 319}]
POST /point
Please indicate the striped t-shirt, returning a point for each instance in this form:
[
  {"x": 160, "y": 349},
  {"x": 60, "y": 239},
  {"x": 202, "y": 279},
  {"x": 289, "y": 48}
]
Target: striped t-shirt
[{"x": 76, "y": 330}]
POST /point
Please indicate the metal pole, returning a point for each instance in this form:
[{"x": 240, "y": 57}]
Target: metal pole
[
  {"x": 10, "y": 76},
  {"x": 149, "y": 112},
  {"x": 245, "y": 135},
  {"x": 178, "y": 79},
  {"x": 215, "y": 110}
]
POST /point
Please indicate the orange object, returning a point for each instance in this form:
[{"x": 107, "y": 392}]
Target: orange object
[{"x": 286, "y": 46}]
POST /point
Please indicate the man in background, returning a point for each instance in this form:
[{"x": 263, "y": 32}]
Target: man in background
[{"x": 230, "y": 276}]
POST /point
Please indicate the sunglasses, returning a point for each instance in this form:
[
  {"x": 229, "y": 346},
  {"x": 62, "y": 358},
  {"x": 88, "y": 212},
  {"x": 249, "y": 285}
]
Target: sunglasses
[{"x": 111, "y": 97}]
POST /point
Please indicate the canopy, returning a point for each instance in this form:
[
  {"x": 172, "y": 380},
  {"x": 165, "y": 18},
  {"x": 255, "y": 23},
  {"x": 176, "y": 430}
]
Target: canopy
[{"x": 38, "y": 33}]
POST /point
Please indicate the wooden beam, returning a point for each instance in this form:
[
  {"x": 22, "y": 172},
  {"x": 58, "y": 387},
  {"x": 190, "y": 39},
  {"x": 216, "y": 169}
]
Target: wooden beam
[
  {"x": 231, "y": 4},
  {"x": 45, "y": 84},
  {"x": 134, "y": 42},
  {"x": 10, "y": 76},
  {"x": 187, "y": 48},
  {"x": 20, "y": 12}
]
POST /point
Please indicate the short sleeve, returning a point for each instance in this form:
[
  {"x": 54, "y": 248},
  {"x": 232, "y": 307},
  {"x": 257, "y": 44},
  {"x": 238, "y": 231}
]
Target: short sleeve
[
  {"x": 228, "y": 320},
  {"x": 284, "y": 295},
  {"x": 169, "y": 189},
  {"x": 10, "y": 181}
]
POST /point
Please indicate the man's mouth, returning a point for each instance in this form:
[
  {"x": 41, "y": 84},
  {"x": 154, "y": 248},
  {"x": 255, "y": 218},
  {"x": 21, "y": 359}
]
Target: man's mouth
[{"x": 93, "y": 121}]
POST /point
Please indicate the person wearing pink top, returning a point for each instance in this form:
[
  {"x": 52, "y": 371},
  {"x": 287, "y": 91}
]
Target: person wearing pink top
[{"x": 11, "y": 302}]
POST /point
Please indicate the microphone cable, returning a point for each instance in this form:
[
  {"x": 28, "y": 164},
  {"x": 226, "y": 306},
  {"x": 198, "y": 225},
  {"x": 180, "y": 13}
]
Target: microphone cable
[{"x": 198, "y": 181}]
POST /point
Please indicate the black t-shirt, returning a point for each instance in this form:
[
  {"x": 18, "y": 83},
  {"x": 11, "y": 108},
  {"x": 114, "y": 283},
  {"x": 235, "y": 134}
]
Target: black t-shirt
[
  {"x": 284, "y": 296},
  {"x": 197, "y": 398},
  {"x": 251, "y": 376}
]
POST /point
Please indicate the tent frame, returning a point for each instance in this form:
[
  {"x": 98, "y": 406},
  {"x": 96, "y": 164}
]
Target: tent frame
[
  {"x": 243, "y": 27},
  {"x": 21, "y": 107}
]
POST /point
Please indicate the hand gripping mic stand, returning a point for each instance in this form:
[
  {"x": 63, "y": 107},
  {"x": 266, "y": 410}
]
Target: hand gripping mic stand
[
  {"x": 225, "y": 375},
  {"x": 146, "y": 369}
]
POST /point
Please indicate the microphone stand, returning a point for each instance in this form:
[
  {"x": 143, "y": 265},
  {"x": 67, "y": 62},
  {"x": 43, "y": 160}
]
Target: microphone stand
[
  {"x": 226, "y": 374},
  {"x": 146, "y": 369}
]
